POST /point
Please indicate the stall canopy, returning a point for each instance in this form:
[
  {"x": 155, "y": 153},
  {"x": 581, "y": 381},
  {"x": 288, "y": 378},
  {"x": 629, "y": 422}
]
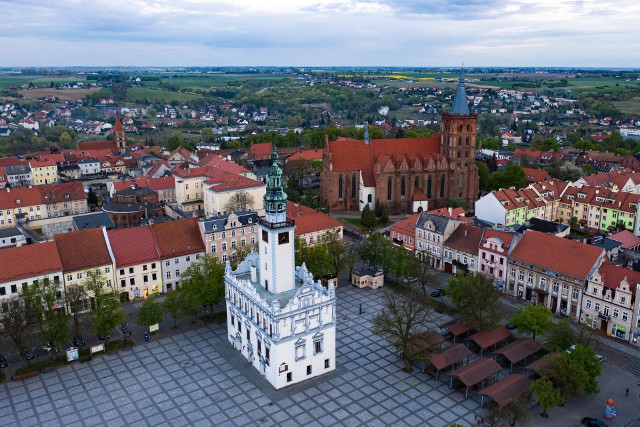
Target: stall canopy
[
  {"x": 490, "y": 337},
  {"x": 450, "y": 356},
  {"x": 475, "y": 372},
  {"x": 507, "y": 389},
  {"x": 519, "y": 350}
]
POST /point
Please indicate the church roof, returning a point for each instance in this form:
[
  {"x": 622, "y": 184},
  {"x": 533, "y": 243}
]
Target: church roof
[
  {"x": 460, "y": 103},
  {"x": 118, "y": 125},
  {"x": 354, "y": 155}
]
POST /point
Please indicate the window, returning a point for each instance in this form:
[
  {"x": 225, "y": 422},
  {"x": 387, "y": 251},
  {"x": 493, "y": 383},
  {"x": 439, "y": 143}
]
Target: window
[
  {"x": 308, "y": 369},
  {"x": 239, "y": 326},
  {"x": 289, "y": 377},
  {"x": 353, "y": 186},
  {"x": 597, "y": 306},
  {"x": 513, "y": 273},
  {"x": 167, "y": 263},
  {"x": 265, "y": 236},
  {"x": 283, "y": 238},
  {"x": 300, "y": 349},
  {"x": 340, "y": 187},
  {"x": 145, "y": 278},
  {"x": 615, "y": 313},
  {"x": 123, "y": 283},
  {"x": 79, "y": 275},
  {"x": 530, "y": 278},
  {"x": 130, "y": 270},
  {"x": 625, "y": 316},
  {"x": 145, "y": 267},
  {"x": 175, "y": 261},
  {"x": 153, "y": 265},
  {"x": 588, "y": 303},
  {"x": 575, "y": 294},
  {"x": 154, "y": 277},
  {"x": 233, "y": 320},
  {"x": 121, "y": 271},
  {"x": 403, "y": 186},
  {"x": 224, "y": 234},
  {"x": 327, "y": 364},
  {"x": 132, "y": 281},
  {"x": 177, "y": 273},
  {"x": 14, "y": 289},
  {"x": 389, "y": 185},
  {"x": 69, "y": 277},
  {"x": 442, "y": 178},
  {"x": 214, "y": 248},
  {"x": 224, "y": 246},
  {"x": 623, "y": 300}
]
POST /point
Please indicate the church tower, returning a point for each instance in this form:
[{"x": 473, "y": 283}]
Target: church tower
[
  {"x": 458, "y": 145},
  {"x": 277, "y": 255},
  {"x": 119, "y": 135}
]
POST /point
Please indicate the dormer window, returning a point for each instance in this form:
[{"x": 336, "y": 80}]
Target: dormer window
[{"x": 67, "y": 195}]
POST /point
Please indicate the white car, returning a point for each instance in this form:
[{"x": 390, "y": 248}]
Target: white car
[{"x": 600, "y": 357}]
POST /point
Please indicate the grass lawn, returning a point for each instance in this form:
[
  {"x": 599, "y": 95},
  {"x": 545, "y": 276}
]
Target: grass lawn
[
  {"x": 12, "y": 80},
  {"x": 628, "y": 107},
  {"x": 157, "y": 95}
]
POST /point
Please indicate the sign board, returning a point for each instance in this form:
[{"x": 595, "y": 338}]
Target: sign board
[
  {"x": 72, "y": 354},
  {"x": 154, "y": 328},
  {"x": 97, "y": 348}
]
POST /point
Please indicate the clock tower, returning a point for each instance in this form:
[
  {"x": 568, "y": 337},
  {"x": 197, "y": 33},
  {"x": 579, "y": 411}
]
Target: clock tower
[{"x": 277, "y": 257}]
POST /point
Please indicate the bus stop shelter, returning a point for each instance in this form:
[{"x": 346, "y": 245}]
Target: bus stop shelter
[
  {"x": 475, "y": 373},
  {"x": 519, "y": 350}
]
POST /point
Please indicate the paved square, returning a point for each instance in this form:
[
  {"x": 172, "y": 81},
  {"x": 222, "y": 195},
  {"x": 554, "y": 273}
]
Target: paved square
[{"x": 196, "y": 378}]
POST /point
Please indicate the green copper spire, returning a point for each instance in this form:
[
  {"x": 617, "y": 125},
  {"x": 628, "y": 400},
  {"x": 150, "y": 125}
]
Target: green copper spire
[{"x": 275, "y": 199}]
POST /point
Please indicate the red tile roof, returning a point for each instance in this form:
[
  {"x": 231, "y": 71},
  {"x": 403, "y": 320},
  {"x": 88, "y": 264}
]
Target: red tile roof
[
  {"x": 29, "y": 261},
  {"x": 262, "y": 150},
  {"x": 315, "y": 154},
  {"x": 627, "y": 238},
  {"x": 354, "y": 155},
  {"x": 505, "y": 238},
  {"x": 11, "y": 198},
  {"x": 520, "y": 349},
  {"x": 407, "y": 226},
  {"x": 308, "y": 220},
  {"x": 215, "y": 161},
  {"x": 536, "y": 175},
  {"x": 132, "y": 246},
  {"x": 557, "y": 254},
  {"x": 82, "y": 249},
  {"x": 453, "y": 354},
  {"x": 226, "y": 181},
  {"x": 118, "y": 125},
  {"x": 58, "y": 193},
  {"x": 508, "y": 389},
  {"x": 162, "y": 183},
  {"x": 477, "y": 371},
  {"x": 98, "y": 145},
  {"x": 612, "y": 276},
  {"x": 465, "y": 238},
  {"x": 43, "y": 162},
  {"x": 177, "y": 238}
]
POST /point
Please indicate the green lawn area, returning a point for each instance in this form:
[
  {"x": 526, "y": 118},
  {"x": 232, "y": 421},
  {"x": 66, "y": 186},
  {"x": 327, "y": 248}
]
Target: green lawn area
[
  {"x": 574, "y": 85},
  {"x": 12, "y": 80},
  {"x": 628, "y": 107},
  {"x": 157, "y": 95}
]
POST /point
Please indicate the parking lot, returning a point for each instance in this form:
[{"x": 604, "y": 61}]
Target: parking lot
[{"x": 196, "y": 378}]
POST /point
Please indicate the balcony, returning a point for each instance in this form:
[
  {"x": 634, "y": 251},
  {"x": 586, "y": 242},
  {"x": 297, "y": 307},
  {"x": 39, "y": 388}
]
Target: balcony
[{"x": 276, "y": 225}]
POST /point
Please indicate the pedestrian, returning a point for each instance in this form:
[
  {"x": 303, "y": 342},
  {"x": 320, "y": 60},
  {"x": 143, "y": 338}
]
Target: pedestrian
[{"x": 626, "y": 394}]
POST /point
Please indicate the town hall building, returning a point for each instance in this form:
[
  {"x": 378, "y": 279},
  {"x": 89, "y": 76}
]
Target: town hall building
[
  {"x": 278, "y": 318},
  {"x": 398, "y": 172}
]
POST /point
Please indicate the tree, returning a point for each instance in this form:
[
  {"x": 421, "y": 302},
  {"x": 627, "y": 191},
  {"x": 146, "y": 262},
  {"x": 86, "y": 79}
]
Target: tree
[
  {"x": 425, "y": 275},
  {"x": 335, "y": 252},
  {"x": 367, "y": 217},
  {"x": 240, "y": 201},
  {"x": 573, "y": 221},
  {"x": 150, "y": 313},
  {"x": 512, "y": 176},
  {"x": 92, "y": 198},
  {"x": 377, "y": 251},
  {"x": 576, "y": 371},
  {"x": 173, "y": 304},
  {"x": 561, "y": 337},
  {"x": 203, "y": 283},
  {"x": 75, "y": 296},
  {"x": 456, "y": 203},
  {"x": 401, "y": 318},
  {"x": 546, "y": 395},
  {"x": 44, "y": 299},
  {"x": 533, "y": 319},
  {"x": 107, "y": 313},
  {"x": 476, "y": 299},
  {"x": 514, "y": 414},
  {"x": 490, "y": 144},
  {"x": 350, "y": 256},
  {"x": 16, "y": 322}
]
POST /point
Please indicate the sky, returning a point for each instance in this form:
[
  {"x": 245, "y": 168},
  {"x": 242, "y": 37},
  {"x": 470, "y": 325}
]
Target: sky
[{"x": 420, "y": 33}]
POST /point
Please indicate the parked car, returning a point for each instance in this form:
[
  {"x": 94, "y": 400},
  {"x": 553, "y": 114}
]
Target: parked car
[
  {"x": 437, "y": 293},
  {"x": 510, "y": 326},
  {"x": 3, "y": 362},
  {"x": 49, "y": 347},
  {"x": 28, "y": 353},
  {"x": 593, "y": 422},
  {"x": 78, "y": 341},
  {"x": 103, "y": 337},
  {"x": 600, "y": 357}
]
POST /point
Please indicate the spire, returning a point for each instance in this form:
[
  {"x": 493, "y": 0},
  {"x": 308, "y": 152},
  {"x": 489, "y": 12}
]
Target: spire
[
  {"x": 275, "y": 199},
  {"x": 460, "y": 103},
  {"x": 366, "y": 132}
]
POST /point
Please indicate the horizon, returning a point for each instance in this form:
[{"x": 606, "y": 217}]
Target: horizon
[{"x": 357, "y": 33}]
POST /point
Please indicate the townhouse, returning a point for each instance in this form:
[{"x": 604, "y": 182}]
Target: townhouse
[
  {"x": 431, "y": 232},
  {"x": 19, "y": 175},
  {"x": 137, "y": 263},
  {"x": 227, "y": 235},
  {"x": 189, "y": 188},
  {"x": 45, "y": 171},
  {"x": 403, "y": 233},
  {"x": 165, "y": 186},
  {"x": 179, "y": 243},
  {"x": 21, "y": 203},
  {"x": 460, "y": 249},
  {"x": 492, "y": 254},
  {"x": 225, "y": 192},
  {"x": 312, "y": 226},
  {"x": 552, "y": 271},
  {"x": 64, "y": 199}
]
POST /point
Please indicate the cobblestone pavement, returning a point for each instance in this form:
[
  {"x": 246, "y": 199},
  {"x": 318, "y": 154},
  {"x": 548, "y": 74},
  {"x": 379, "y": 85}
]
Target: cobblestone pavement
[{"x": 195, "y": 378}]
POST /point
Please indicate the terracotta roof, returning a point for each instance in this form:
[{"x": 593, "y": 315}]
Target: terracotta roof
[
  {"x": 488, "y": 337},
  {"x": 42, "y": 163},
  {"x": 540, "y": 366},
  {"x": 454, "y": 213},
  {"x": 553, "y": 253},
  {"x": 418, "y": 195},
  {"x": 29, "y": 261},
  {"x": 505, "y": 238},
  {"x": 82, "y": 249},
  {"x": 177, "y": 238},
  {"x": 308, "y": 220},
  {"x": 465, "y": 238},
  {"x": 12, "y": 161},
  {"x": 182, "y": 151},
  {"x": 453, "y": 354},
  {"x": 508, "y": 389},
  {"x": 215, "y": 161},
  {"x": 11, "y": 198},
  {"x": 477, "y": 371},
  {"x": 98, "y": 145},
  {"x": 354, "y": 155},
  {"x": 627, "y": 238},
  {"x": 161, "y": 183},
  {"x": 406, "y": 226},
  {"x": 191, "y": 172},
  {"x": 520, "y": 349},
  {"x": 118, "y": 125},
  {"x": 131, "y": 246},
  {"x": 461, "y": 327},
  {"x": 227, "y": 181},
  {"x": 263, "y": 149},
  {"x": 59, "y": 193},
  {"x": 536, "y": 175},
  {"x": 315, "y": 154},
  {"x": 613, "y": 275}
]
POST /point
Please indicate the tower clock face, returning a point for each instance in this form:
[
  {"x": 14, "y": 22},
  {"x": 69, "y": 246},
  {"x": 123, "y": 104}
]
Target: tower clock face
[{"x": 283, "y": 238}]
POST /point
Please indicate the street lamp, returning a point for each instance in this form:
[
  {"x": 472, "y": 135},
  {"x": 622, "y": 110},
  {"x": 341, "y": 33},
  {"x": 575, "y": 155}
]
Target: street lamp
[{"x": 124, "y": 338}]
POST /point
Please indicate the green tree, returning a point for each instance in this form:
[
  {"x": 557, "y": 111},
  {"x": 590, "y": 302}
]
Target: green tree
[
  {"x": 533, "y": 319},
  {"x": 92, "y": 198},
  {"x": 173, "y": 304},
  {"x": 203, "y": 283},
  {"x": 207, "y": 134},
  {"x": 588, "y": 169},
  {"x": 490, "y": 144},
  {"x": 561, "y": 336},
  {"x": 476, "y": 299},
  {"x": 377, "y": 252},
  {"x": 576, "y": 372},
  {"x": 65, "y": 140},
  {"x": 75, "y": 296},
  {"x": 150, "y": 313},
  {"x": 16, "y": 322},
  {"x": 512, "y": 176},
  {"x": 107, "y": 313},
  {"x": 546, "y": 395},
  {"x": 401, "y": 318},
  {"x": 456, "y": 203},
  {"x": 425, "y": 275},
  {"x": 367, "y": 217},
  {"x": 335, "y": 252}
]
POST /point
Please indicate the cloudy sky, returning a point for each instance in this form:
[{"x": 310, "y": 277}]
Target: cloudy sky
[{"x": 582, "y": 33}]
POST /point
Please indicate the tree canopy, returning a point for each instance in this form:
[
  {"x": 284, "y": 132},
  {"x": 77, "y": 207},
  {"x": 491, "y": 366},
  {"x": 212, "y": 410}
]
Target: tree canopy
[
  {"x": 476, "y": 299},
  {"x": 533, "y": 319}
]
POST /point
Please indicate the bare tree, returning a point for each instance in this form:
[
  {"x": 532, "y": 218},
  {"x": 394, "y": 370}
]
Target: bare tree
[
  {"x": 16, "y": 322},
  {"x": 241, "y": 201},
  {"x": 513, "y": 414},
  {"x": 75, "y": 296},
  {"x": 424, "y": 274},
  {"x": 401, "y": 318}
]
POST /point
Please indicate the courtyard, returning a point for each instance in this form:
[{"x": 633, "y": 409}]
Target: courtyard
[{"x": 196, "y": 378}]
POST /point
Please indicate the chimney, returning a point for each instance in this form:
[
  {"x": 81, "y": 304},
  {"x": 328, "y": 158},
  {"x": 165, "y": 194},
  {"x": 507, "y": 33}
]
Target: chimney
[{"x": 450, "y": 211}]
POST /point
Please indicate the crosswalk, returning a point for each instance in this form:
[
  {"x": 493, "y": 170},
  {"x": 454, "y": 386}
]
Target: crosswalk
[{"x": 633, "y": 367}]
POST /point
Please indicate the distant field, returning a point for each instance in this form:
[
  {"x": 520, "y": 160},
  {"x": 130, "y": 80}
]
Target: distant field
[
  {"x": 66, "y": 94},
  {"x": 574, "y": 85},
  {"x": 157, "y": 95},
  {"x": 208, "y": 81},
  {"x": 8, "y": 81},
  {"x": 628, "y": 107}
]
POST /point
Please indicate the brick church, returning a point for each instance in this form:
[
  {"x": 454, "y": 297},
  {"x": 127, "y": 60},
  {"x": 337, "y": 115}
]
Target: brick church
[{"x": 398, "y": 172}]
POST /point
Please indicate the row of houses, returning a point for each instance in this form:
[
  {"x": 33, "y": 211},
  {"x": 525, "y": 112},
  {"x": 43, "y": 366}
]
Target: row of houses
[{"x": 571, "y": 278}]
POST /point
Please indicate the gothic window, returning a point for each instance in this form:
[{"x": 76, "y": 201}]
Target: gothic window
[
  {"x": 369, "y": 198},
  {"x": 389, "y": 184},
  {"x": 442, "y": 185},
  {"x": 353, "y": 186},
  {"x": 403, "y": 186},
  {"x": 459, "y": 141},
  {"x": 429, "y": 187},
  {"x": 459, "y": 128},
  {"x": 417, "y": 182},
  {"x": 468, "y": 128},
  {"x": 468, "y": 140},
  {"x": 340, "y": 187}
]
